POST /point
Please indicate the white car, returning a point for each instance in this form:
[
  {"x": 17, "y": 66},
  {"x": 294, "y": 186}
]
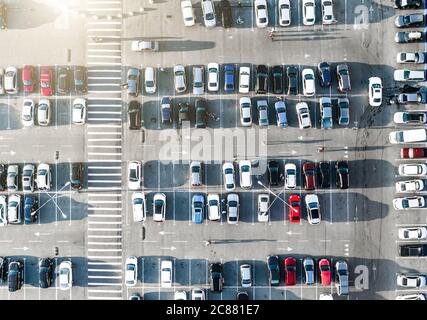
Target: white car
[
  {"x": 150, "y": 80},
  {"x": 284, "y": 8},
  {"x": 134, "y": 175},
  {"x": 65, "y": 275},
  {"x": 198, "y": 80},
  {"x": 410, "y": 186},
  {"x": 410, "y": 57},
  {"x": 245, "y": 275},
  {"x": 159, "y": 207},
  {"x": 180, "y": 295},
  {"x": 406, "y": 136},
  {"x": 166, "y": 273},
  {"x": 198, "y": 294},
  {"x": 28, "y": 113},
  {"x": 11, "y": 80},
  {"x": 208, "y": 9},
  {"x": 308, "y": 12},
  {"x": 1, "y": 81},
  {"x": 43, "y": 112},
  {"x": 313, "y": 209},
  {"x": 179, "y": 78},
  {"x": 214, "y": 207},
  {"x": 79, "y": 111},
  {"x": 263, "y": 207},
  {"x": 261, "y": 13},
  {"x": 411, "y": 280},
  {"x": 407, "y": 203},
  {"x": 327, "y": 12},
  {"x": 308, "y": 83},
  {"x": 228, "y": 176},
  {"x": 290, "y": 176},
  {"x": 28, "y": 178},
  {"x": 213, "y": 77},
  {"x": 415, "y": 296},
  {"x": 139, "y": 207},
  {"x": 245, "y": 111},
  {"x": 409, "y": 75},
  {"x": 413, "y": 169},
  {"x": 3, "y": 211},
  {"x": 410, "y": 117},
  {"x": 244, "y": 79},
  {"x": 375, "y": 91},
  {"x": 187, "y": 13},
  {"x": 233, "y": 208},
  {"x": 245, "y": 167},
  {"x": 14, "y": 209},
  {"x": 43, "y": 180},
  {"x": 415, "y": 233},
  {"x": 303, "y": 113},
  {"x": 131, "y": 271}
]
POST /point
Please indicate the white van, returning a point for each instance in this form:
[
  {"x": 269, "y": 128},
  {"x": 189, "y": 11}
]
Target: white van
[{"x": 408, "y": 136}]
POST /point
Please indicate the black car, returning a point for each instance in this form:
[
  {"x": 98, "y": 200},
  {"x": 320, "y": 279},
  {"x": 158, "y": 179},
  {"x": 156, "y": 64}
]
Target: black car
[
  {"x": 184, "y": 112},
  {"x": 3, "y": 177},
  {"x": 277, "y": 79},
  {"x": 76, "y": 175},
  {"x": 227, "y": 17},
  {"x": 413, "y": 250},
  {"x": 200, "y": 106},
  {"x": 166, "y": 110},
  {"x": 242, "y": 295},
  {"x": 134, "y": 115},
  {"x": 216, "y": 277},
  {"x": 342, "y": 174},
  {"x": 45, "y": 273},
  {"x": 31, "y": 207},
  {"x": 273, "y": 270},
  {"x": 407, "y": 4},
  {"x": 3, "y": 16},
  {"x": 64, "y": 80},
  {"x": 325, "y": 76},
  {"x": 80, "y": 80},
  {"x": 323, "y": 174},
  {"x": 292, "y": 74},
  {"x": 273, "y": 172},
  {"x": 261, "y": 73},
  {"x": 15, "y": 276}
]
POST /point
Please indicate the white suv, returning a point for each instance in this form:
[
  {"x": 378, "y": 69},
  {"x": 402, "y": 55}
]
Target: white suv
[
  {"x": 213, "y": 77},
  {"x": 290, "y": 176},
  {"x": 43, "y": 181}
]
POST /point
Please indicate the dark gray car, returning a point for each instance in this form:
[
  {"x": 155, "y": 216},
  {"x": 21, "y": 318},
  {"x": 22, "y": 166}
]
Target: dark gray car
[
  {"x": 343, "y": 76},
  {"x": 165, "y": 108},
  {"x": 133, "y": 78}
]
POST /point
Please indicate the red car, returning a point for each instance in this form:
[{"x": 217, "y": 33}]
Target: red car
[
  {"x": 28, "y": 76},
  {"x": 46, "y": 81},
  {"x": 411, "y": 153},
  {"x": 290, "y": 271},
  {"x": 325, "y": 272},
  {"x": 309, "y": 172},
  {"x": 295, "y": 210}
]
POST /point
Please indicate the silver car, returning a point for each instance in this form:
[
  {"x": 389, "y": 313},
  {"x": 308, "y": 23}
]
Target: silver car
[
  {"x": 28, "y": 178},
  {"x": 343, "y": 75},
  {"x": 133, "y": 78},
  {"x": 341, "y": 277},
  {"x": 262, "y": 107},
  {"x": 43, "y": 112},
  {"x": 11, "y": 80},
  {"x": 196, "y": 173},
  {"x": 12, "y": 177},
  {"x": 308, "y": 276}
]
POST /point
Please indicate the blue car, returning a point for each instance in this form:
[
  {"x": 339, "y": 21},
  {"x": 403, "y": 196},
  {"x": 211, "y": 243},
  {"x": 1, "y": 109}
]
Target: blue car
[
  {"x": 30, "y": 209},
  {"x": 198, "y": 208},
  {"x": 282, "y": 121},
  {"x": 229, "y": 78}
]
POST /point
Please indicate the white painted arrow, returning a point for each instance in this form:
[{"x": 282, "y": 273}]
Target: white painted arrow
[
  {"x": 38, "y": 234},
  {"x": 162, "y": 233},
  {"x": 171, "y": 248},
  {"x": 291, "y": 233},
  {"x": 23, "y": 248}
]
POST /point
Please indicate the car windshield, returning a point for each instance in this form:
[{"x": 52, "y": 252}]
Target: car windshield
[
  {"x": 228, "y": 171},
  {"x": 28, "y": 82},
  {"x": 280, "y": 109},
  {"x": 132, "y": 175},
  {"x": 149, "y": 84},
  {"x": 213, "y": 203},
  {"x": 291, "y": 172},
  {"x": 130, "y": 267},
  {"x": 232, "y": 203},
  {"x": 43, "y": 107},
  {"x": 138, "y": 201},
  {"x": 42, "y": 172},
  {"x": 158, "y": 205},
  {"x": 291, "y": 268},
  {"x": 405, "y": 203},
  {"x": 295, "y": 204},
  {"x": 309, "y": 267},
  {"x": 179, "y": 73},
  {"x": 45, "y": 84},
  {"x": 245, "y": 168},
  {"x": 309, "y": 76},
  {"x": 324, "y": 268}
]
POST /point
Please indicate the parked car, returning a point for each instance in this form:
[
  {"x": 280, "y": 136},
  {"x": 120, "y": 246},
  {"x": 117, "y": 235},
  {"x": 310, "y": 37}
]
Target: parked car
[
  {"x": 228, "y": 176},
  {"x": 323, "y": 174},
  {"x": 11, "y": 80},
  {"x": 131, "y": 271},
  {"x": 409, "y": 20},
  {"x": 233, "y": 208},
  {"x": 262, "y": 107},
  {"x": 45, "y": 272},
  {"x": 411, "y": 57},
  {"x": 28, "y": 178},
  {"x": 64, "y": 80},
  {"x": 187, "y": 13},
  {"x": 277, "y": 79},
  {"x": 184, "y": 113},
  {"x": 14, "y": 211},
  {"x": 139, "y": 207},
  {"x": 325, "y": 272},
  {"x": 201, "y": 118},
  {"x": 303, "y": 113},
  {"x": 343, "y": 76},
  {"x": 44, "y": 112},
  {"x": 166, "y": 276},
  {"x": 308, "y": 12},
  {"x": 244, "y": 79},
  {"x": 159, "y": 207},
  {"x": 229, "y": 78},
  {"x": 409, "y": 75},
  {"x": 273, "y": 270},
  {"x": 407, "y": 4},
  {"x": 15, "y": 275},
  {"x": 76, "y": 175},
  {"x": 281, "y": 118},
  {"x": 245, "y": 275},
  {"x": 144, "y": 46},
  {"x": 198, "y": 208},
  {"x": 198, "y": 294},
  {"x": 325, "y": 77},
  {"x": 313, "y": 209},
  {"x": 80, "y": 79},
  {"x": 284, "y": 9},
  {"x": 261, "y": 13},
  {"x": 196, "y": 173},
  {"x": 309, "y": 174},
  {"x": 263, "y": 207},
  {"x": 3, "y": 16},
  {"x": 2, "y": 81},
  {"x": 198, "y": 80},
  {"x": 208, "y": 9},
  {"x": 412, "y": 233},
  {"x": 242, "y": 295},
  {"x": 409, "y": 36},
  {"x": 408, "y": 136},
  {"x": 166, "y": 110},
  {"x": 213, "y": 77},
  {"x": 3, "y": 215},
  {"x": 134, "y": 175},
  {"x": 79, "y": 111},
  {"x": 65, "y": 275},
  {"x": 245, "y": 174},
  {"x": 216, "y": 277},
  {"x": 292, "y": 75},
  {"x": 411, "y": 280},
  {"x": 375, "y": 91},
  {"x": 180, "y": 295},
  {"x": 326, "y": 113},
  {"x": 327, "y": 12},
  {"x": 309, "y": 267},
  {"x": 342, "y": 174},
  {"x": 412, "y": 98},
  {"x": 341, "y": 278},
  {"x": 133, "y": 79},
  {"x": 406, "y": 203},
  {"x": 290, "y": 271},
  {"x": 308, "y": 83},
  {"x": 150, "y": 80},
  {"x": 412, "y": 169},
  {"x": 134, "y": 115},
  {"x": 179, "y": 78},
  {"x": 417, "y": 117},
  {"x": 415, "y": 296},
  {"x": 415, "y": 185},
  {"x": 28, "y": 78},
  {"x": 44, "y": 179},
  {"x": 261, "y": 74},
  {"x": 273, "y": 172},
  {"x": 245, "y": 111},
  {"x": 343, "y": 111},
  {"x": 290, "y": 175},
  {"x": 412, "y": 153},
  {"x": 214, "y": 207},
  {"x": 12, "y": 177},
  {"x": 28, "y": 113}
]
